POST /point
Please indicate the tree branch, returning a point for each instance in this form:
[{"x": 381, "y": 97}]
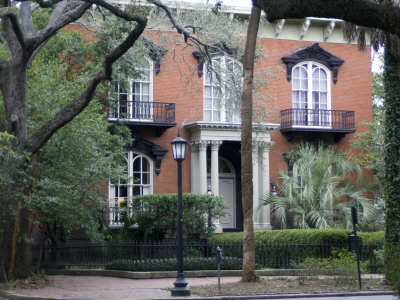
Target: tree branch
[
  {"x": 365, "y": 13},
  {"x": 64, "y": 13},
  {"x": 71, "y": 110},
  {"x": 11, "y": 14},
  {"x": 187, "y": 36},
  {"x": 26, "y": 19}
]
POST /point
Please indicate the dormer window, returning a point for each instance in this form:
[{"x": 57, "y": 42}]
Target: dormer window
[{"x": 222, "y": 87}]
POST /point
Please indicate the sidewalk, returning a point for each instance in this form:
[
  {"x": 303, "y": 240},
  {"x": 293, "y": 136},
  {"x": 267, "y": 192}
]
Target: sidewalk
[{"x": 102, "y": 288}]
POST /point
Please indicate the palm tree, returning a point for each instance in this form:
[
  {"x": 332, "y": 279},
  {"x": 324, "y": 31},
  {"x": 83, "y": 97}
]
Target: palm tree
[{"x": 319, "y": 190}]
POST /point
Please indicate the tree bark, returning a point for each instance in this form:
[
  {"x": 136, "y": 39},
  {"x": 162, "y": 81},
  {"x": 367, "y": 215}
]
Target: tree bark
[
  {"x": 248, "y": 270},
  {"x": 365, "y": 13}
]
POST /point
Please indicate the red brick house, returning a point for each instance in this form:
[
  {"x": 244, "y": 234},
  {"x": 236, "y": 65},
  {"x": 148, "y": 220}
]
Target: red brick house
[{"x": 322, "y": 90}]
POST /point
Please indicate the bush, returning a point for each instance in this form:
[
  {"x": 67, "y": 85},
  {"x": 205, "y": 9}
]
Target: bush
[
  {"x": 392, "y": 269},
  {"x": 170, "y": 264},
  {"x": 156, "y": 216},
  {"x": 342, "y": 266},
  {"x": 286, "y": 248},
  {"x": 333, "y": 236}
]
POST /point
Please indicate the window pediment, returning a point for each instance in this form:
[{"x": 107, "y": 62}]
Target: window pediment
[
  {"x": 313, "y": 53},
  {"x": 219, "y": 50},
  {"x": 156, "y": 152}
]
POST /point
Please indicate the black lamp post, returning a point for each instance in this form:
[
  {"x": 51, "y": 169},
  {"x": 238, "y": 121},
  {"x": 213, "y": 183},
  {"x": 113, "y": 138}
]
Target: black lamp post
[{"x": 179, "y": 152}]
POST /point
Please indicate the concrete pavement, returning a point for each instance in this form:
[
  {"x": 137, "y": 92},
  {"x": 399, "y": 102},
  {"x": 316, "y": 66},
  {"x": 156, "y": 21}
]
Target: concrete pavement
[{"x": 104, "y": 288}]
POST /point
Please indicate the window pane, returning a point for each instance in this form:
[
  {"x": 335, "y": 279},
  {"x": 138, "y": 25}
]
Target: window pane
[
  {"x": 296, "y": 72},
  {"x": 207, "y": 103},
  {"x": 137, "y": 164},
  {"x": 207, "y": 115},
  {"x": 146, "y": 178},
  {"x": 216, "y": 116},
  {"x": 145, "y": 165},
  {"x": 315, "y": 85},
  {"x": 145, "y": 88},
  {"x": 324, "y": 85},
  {"x": 304, "y": 84},
  {"x": 296, "y": 84}
]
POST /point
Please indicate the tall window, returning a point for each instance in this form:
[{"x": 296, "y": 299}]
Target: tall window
[
  {"x": 133, "y": 99},
  {"x": 138, "y": 181},
  {"x": 222, "y": 89},
  {"x": 311, "y": 99}
]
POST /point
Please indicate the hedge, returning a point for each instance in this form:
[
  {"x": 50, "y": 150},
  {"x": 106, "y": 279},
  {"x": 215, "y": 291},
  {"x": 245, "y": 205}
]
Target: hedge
[
  {"x": 170, "y": 264},
  {"x": 334, "y": 236}
]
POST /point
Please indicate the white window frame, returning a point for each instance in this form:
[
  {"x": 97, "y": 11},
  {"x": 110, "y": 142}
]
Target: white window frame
[
  {"x": 135, "y": 110},
  {"x": 218, "y": 92},
  {"x": 324, "y": 119},
  {"x": 114, "y": 198}
]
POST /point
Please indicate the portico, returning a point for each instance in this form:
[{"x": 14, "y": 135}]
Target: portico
[{"x": 215, "y": 162}]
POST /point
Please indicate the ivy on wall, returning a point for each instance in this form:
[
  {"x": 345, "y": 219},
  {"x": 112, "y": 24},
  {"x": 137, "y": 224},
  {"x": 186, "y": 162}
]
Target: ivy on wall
[{"x": 392, "y": 158}]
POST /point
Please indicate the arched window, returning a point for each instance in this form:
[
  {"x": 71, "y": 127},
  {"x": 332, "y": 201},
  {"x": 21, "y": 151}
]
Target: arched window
[
  {"x": 222, "y": 90},
  {"x": 133, "y": 99},
  {"x": 311, "y": 95},
  {"x": 138, "y": 181}
]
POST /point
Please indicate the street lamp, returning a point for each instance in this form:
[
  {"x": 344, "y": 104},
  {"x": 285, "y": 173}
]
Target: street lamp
[{"x": 179, "y": 152}]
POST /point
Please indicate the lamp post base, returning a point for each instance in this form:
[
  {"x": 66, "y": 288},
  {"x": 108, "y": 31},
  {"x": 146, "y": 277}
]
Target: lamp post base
[{"x": 180, "y": 288}]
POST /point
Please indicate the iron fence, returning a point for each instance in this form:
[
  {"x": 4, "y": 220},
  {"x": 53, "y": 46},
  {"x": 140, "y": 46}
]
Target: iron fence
[{"x": 273, "y": 255}]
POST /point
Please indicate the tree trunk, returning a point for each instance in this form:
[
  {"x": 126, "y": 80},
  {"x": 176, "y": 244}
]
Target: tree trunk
[{"x": 248, "y": 271}]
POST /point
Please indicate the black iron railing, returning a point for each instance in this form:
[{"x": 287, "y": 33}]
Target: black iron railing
[
  {"x": 272, "y": 254},
  {"x": 159, "y": 112},
  {"x": 339, "y": 120}
]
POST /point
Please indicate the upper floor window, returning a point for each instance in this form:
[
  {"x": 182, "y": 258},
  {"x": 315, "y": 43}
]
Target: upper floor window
[
  {"x": 222, "y": 90},
  {"x": 132, "y": 99},
  {"x": 311, "y": 95}
]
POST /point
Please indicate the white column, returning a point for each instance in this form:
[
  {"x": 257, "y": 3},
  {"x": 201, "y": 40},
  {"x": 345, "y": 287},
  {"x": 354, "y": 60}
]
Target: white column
[
  {"x": 203, "y": 167},
  {"x": 215, "y": 166},
  {"x": 194, "y": 167},
  {"x": 265, "y": 213},
  {"x": 255, "y": 183}
]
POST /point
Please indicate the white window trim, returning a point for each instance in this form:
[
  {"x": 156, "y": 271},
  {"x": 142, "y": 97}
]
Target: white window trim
[
  {"x": 113, "y": 202},
  {"x": 130, "y": 95},
  {"x": 310, "y": 91},
  {"x": 222, "y": 104}
]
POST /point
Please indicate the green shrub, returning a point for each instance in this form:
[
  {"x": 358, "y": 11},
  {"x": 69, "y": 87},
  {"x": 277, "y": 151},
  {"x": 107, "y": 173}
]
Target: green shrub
[
  {"x": 342, "y": 266},
  {"x": 392, "y": 269},
  {"x": 156, "y": 216},
  {"x": 170, "y": 264},
  {"x": 272, "y": 246}
]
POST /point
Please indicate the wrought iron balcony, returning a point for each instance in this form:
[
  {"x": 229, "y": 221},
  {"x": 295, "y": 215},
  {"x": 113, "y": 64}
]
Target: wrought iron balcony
[
  {"x": 143, "y": 113},
  {"x": 339, "y": 122}
]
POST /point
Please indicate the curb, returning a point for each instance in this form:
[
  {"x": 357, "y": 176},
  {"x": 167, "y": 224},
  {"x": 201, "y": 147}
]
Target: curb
[
  {"x": 170, "y": 274},
  {"x": 10, "y": 296}
]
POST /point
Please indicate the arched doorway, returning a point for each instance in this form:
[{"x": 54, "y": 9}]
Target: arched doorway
[{"x": 227, "y": 189}]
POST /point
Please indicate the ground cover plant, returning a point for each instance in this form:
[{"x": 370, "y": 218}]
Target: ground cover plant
[{"x": 287, "y": 285}]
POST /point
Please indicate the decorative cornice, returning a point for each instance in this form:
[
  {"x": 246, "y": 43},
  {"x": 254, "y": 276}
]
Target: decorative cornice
[
  {"x": 156, "y": 152},
  {"x": 156, "y": 54},
  {"x": 313, "y": 53},
  {"x": 220, "y": 50}
]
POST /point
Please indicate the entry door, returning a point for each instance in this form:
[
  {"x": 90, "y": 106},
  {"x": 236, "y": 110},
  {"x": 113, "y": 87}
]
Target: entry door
[{"x": 227, "y": 191}]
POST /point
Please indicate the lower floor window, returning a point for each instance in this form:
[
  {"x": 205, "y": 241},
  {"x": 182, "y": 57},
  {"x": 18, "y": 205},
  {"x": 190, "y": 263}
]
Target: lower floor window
[{"x": 138, "y": 181}]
